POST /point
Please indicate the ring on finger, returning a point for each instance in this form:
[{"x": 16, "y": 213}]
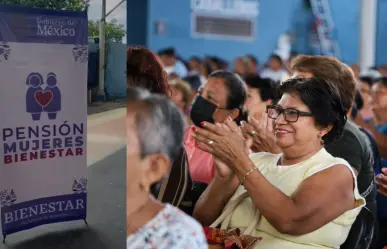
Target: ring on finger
[
  {"x": 253, "y": 132},
  {"x": 210, "y": 142}
]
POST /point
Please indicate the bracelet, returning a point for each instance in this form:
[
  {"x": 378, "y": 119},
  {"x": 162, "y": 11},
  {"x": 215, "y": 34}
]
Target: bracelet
[{"x": 247, "y": 174}]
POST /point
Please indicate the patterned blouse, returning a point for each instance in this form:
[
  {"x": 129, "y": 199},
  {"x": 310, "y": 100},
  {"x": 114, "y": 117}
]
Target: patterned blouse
[{"x": 169, "y": 229}]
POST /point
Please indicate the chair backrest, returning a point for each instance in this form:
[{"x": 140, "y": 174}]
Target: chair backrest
[
  {"x": 362, "y": 232},
  {"x": 192, "y": 196},
  {"x": 375, "y": 150},
  {"x": 177, "y": 188},
  {"x": 177, "y": 182}
]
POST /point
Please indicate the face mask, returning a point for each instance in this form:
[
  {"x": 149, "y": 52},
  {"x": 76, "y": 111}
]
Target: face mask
[
  {"x": 169, "y": 69},
  {"x": 202, "y": 110},
  {"x": 172, "y": 82}
]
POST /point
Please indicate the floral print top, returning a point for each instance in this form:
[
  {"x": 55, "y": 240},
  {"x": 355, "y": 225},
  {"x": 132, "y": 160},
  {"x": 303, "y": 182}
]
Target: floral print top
[{"x": 169, "y": 229}]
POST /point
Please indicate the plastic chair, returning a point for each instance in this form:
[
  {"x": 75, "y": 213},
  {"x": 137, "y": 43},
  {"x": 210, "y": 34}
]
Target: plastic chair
[
  {"x": 176, "y": 183},
  {"x": 362, "y": 232},
  {"x": 192, "y": 196},
  {"x": 177, "y": 188}
]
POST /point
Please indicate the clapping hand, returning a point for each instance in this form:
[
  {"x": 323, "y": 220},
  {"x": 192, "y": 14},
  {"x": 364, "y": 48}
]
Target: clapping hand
[
  {"x": 231, "y": 126},
  {"x": 224, "y": 171},
  {"x": 381, "y": 181},
  {"x": 262, "y": 134},
  {"x": 227, "y": 146}
]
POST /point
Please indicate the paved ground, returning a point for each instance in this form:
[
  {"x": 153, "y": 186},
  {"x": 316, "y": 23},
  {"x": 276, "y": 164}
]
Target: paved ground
[
  {"x": 106, "y": 195},
  {"x": 96, "y": 107},
  {"x": 106, "y": 134}
]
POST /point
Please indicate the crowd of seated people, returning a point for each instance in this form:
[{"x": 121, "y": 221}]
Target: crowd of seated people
[{"x": 286, "y": 155}]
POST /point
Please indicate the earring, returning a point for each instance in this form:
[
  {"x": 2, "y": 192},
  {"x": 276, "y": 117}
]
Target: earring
[
  {"x": 144, "y": 188},
  {"x": 321, "y": 140}
]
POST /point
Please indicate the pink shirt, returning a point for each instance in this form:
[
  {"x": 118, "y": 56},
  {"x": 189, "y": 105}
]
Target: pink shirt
[
  {"x": 366, "y": 113},
  {"x": 201, "y": 163}
]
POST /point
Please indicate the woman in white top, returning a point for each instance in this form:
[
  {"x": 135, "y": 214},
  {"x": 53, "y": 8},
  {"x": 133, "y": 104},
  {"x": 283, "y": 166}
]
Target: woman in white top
[
  {"x": 155, "y": 129},
  {"x": 303, "y": 198},
  {"x": 275, "y": 70}
]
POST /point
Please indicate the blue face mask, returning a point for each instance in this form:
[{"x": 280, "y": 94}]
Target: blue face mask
[{"x": 202, "y": 110}]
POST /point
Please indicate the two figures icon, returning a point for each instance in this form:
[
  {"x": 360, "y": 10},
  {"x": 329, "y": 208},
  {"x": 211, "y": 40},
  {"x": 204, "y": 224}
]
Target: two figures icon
[{"x": 40, "y": 100}]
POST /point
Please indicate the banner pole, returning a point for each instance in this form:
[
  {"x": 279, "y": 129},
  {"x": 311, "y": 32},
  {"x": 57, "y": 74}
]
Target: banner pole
[{"x": 102, "y": 46}]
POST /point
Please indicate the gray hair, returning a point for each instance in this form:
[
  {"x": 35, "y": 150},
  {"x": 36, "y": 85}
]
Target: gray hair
[
  {"x": 159, "y": 124},
  {"x": 136, "y": 93}
]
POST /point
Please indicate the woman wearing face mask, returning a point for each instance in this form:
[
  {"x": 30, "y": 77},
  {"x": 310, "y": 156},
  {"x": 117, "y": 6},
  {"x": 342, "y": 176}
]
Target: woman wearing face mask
[{"x": 222, "y": 96}]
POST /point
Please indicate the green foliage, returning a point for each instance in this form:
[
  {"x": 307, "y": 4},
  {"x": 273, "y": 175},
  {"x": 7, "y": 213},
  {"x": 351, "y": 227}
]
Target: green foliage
[
  {"x": 77, "y": 5},
  {"x": 114, "y": 31}
]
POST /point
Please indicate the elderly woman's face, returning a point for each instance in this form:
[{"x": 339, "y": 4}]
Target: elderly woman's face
[
  {"x": 178, "y": 97},
  {"x": 379, "y": 96},
  {"x": 299, "y": 134},
  {"x": 364, "y": 90},
  {"x": 254, "y": 104},
  {"x": 216, "y": 92},
  {"x": 239, "y": 66},
  {"x": 132, "y": 150}
]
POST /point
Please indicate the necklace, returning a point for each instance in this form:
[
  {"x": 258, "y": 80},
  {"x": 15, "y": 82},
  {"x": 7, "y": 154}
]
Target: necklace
[
  {"x": 141, "y": 207},
  {"x": 129, "y": 228}
]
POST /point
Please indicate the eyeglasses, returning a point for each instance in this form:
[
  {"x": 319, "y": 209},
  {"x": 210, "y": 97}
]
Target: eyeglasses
[{"x": 291, "y": 115}]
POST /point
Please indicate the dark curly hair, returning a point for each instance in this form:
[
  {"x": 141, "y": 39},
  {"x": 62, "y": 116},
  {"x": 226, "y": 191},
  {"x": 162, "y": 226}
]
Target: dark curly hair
[
  {"x": 144, "y": 69},
  {"x": 323, "y": 100}
]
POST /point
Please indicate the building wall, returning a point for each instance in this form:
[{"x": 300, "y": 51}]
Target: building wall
[
  {"x": 275, "y": 18},
  {"x": 346, "y": 17},
  {"x": 137, "y": 20},
  {"x": 115, "y": 74},
  {"x": 381, "y": 33},
  {"x": 271, "y": 23}
]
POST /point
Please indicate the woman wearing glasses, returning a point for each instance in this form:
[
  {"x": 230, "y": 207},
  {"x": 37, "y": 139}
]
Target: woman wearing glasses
[{"x": 303, "y": 198}]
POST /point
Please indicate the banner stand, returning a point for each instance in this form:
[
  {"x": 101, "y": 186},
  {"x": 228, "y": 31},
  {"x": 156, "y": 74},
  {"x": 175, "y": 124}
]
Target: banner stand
[
  {"x": 5, "y": 235},
  {"x": 43, "y": 108}
]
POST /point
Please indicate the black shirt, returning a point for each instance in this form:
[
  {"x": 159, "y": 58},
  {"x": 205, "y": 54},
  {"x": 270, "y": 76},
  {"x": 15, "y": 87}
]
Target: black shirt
[{"x": 353, "y": 146}]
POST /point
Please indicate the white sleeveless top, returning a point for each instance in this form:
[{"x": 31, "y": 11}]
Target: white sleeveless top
[{"x": 240, "y": 211}]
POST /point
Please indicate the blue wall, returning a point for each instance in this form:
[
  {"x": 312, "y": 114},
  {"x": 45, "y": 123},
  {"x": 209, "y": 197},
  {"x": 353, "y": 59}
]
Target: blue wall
[
  {"x": 137, "y": 19},
  {"x": 346, "y": 17},
  {"x": 275, "y": 18},
  {"x": 115, "y": 77},
  {"x": 301, "y": 24},
  {"x": 272, "y": 21},
  {"x": 381, "y": 33}
]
